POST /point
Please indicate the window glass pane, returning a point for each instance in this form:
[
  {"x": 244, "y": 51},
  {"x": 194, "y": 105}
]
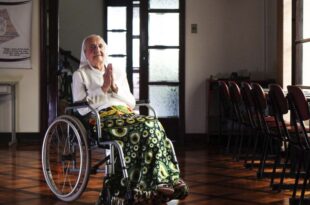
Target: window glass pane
[
  {"x": 116, "y": 43},
  {"x": 136, "y": 21},
  {"x": 164, "y": 29},
  {"x": 306, "y": 19},
  {"x": 164, "y": 65},
  {"x": 136, "y": 52},
  {"x": 306, "y": 64},
  {"x": 165, "y": 100},
  {"x": 136, "y": 85},
  {"x": 118, "y": 63},
  {"x": 116, "y": 17},
  {"x": 164, "y": 4}
]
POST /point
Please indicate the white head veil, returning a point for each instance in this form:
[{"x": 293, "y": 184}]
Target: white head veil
[{"x": 83, "y": 59}]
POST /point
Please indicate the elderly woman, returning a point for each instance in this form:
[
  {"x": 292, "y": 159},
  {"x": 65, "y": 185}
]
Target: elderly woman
[{"x": 148, "y": 155}]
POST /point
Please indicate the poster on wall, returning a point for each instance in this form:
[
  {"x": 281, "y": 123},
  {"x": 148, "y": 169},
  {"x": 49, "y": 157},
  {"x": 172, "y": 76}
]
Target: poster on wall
[{"x": 15, "y": 33}]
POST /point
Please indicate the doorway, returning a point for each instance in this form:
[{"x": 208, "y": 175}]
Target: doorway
[{"x": 147, "y": 39}]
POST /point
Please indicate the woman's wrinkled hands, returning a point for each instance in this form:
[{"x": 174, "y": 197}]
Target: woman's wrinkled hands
[{"x": 108, "y": 80}]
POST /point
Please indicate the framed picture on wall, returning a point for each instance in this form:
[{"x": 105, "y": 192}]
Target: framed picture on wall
[{"x": 15, "y": 33}]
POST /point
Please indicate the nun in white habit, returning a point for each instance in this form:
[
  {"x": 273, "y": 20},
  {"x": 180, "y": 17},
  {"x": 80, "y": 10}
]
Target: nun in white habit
[{"x": 153, "y": 175}]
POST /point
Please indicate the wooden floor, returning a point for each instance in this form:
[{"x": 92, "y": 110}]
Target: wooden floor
[{"x": 213, "y": 178}]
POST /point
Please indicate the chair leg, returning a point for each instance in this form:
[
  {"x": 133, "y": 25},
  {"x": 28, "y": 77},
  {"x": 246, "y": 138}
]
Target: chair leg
[
  {"x": 296, "y": 179},
  {"x": 230, "y": 136},
  {"x": 254, "y": 149},
  {"x": 238, "y": 142},
  {"x": 241, "y": 142},
  {"x": 277, "y": 161},
  {"x": 261, "y": 168},
  {"x": 285, "y": 166},
  {"x": 238, "y": 135},
  {"x": 250, "y": 139},
  {"x": 220, "y": 123},
  {"x": 304, "y": 186}
]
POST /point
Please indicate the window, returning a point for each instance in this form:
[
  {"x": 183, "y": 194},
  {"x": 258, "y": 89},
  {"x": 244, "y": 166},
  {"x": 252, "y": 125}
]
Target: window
[
  {"x": 301, "y": 44},
  {"x": 147, "y": 38}
]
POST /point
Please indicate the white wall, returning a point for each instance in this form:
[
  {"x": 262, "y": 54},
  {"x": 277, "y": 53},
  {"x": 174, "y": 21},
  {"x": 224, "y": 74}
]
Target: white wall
[
  {"x": 232, "y": 36},
  {"x": 27, "y": 94}
]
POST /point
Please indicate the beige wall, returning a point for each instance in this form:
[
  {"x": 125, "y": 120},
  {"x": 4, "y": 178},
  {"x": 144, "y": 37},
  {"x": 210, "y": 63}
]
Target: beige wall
[
  {"x": 27, "y": 94},
  {"x": 232, "y": 36}
]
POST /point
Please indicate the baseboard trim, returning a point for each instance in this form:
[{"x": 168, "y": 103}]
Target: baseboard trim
[
  {"x": 196, "y": 137},
  {"x": 22, "y": 137}
]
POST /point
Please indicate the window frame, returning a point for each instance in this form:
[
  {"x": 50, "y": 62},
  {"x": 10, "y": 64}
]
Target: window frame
[{"x": 297, "y": 41}]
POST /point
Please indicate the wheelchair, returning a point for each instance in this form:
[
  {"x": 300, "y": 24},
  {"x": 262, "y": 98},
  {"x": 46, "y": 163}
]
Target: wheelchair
[{"x": 66, "y": 155}]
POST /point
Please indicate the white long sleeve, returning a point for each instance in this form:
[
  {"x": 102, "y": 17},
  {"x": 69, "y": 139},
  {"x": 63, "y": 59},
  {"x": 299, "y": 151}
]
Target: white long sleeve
[{"x": 87, "y": 83}]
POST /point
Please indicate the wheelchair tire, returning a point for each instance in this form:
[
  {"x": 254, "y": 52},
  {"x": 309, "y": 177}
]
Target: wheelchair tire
[
  {"x": 106, "y": 196},
  {"x": 109, "y": 199},
  {"x": 66, "y": 158}
]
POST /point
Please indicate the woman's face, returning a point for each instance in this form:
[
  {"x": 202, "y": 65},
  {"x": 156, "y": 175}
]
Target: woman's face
[{"x": 95, "y": 49}]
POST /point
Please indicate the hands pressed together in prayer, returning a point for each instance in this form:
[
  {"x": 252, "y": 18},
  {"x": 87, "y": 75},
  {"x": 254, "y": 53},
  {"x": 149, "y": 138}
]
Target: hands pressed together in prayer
[{"x": 109, "y": 85}]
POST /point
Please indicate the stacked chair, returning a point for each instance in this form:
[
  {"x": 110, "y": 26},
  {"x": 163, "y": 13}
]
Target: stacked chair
[
  {"x": 232, "y": 116},
  {"x": 276, "y": 129},
  {"x": 266, "y": 126},
  {"x": 300, "y": 140},
  {"x": 280, "y": 109},
  {"x": 226, "y": 117},
  {"x": 238, "y": 112},
  {"x": 251, "y": 116}
]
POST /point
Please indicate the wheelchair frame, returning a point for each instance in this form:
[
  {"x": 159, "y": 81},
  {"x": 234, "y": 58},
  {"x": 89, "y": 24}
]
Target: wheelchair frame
[{"x": 66, "y": 155}]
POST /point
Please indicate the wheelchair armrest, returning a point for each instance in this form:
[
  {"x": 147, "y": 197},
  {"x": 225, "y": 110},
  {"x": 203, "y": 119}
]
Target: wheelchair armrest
[
  {"x": 80, "y": 103},
  {"x": 145, "y": 103},
  {"x": 84, "y": 104},
  {"x": 76, "y": 105}
]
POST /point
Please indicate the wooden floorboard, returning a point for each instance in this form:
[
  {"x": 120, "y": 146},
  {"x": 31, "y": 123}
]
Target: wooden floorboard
[{"x": 213, "y": 177}]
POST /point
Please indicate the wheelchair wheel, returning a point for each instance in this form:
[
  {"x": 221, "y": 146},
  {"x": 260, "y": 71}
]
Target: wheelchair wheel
[
  {"x": 106, "y": 195},
  {"x": 66, "y": 158}
]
